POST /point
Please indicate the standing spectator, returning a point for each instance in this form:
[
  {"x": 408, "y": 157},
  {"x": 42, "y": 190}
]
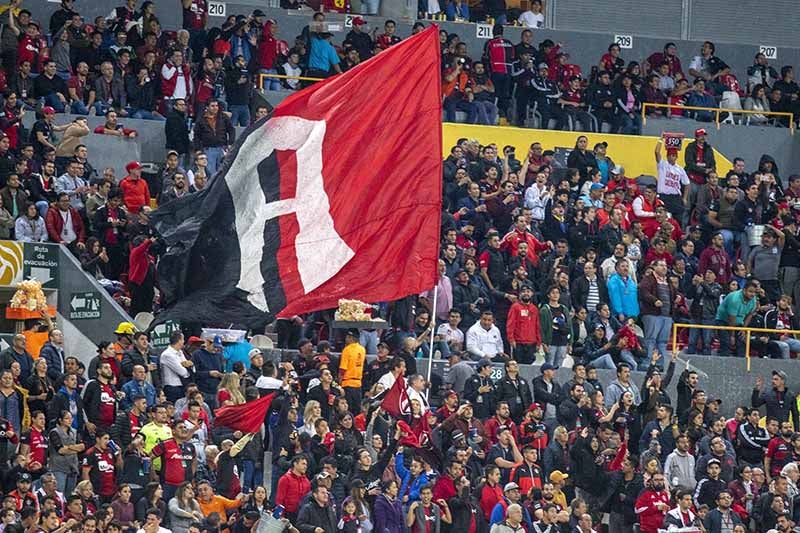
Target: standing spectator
[
  {"x": 100, "y": 400},
  {"x": 499, "y": 54},
  {"x": 214, "y": 133},
  {"x": 673, "y": 184},
  {"x": 780, "y": 401},
  {"x": 522, "y": 328},
  {"x": 100, "y": 465},
  {"x": 141, "y": 92},
  {"x": 652, "y": 505},
  {"x": 174, "y": 367},
  {"x": 238, "y": 86},
  {"x": 322, "y": 57},
  {"x": 209, "y": 366},
  {"x": 135, "y": 192},
  {"x": 176, "y": 80},
  {"x": 292, "y": 486},
  {"x": 736, "y": 309},
  {"x": 457, "y": 92},
  {"x": 271, "y": 49},
  {"x": 351, "y": 368},
  {"x": 656, "y": 300},
  {"x": 555, "y": 328},
  {"x": 176, "y": 131}
]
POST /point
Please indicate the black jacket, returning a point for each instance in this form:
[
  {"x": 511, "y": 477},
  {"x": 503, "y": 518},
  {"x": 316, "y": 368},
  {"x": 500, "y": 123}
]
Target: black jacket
[
  {"x": 690, "y": 158},
  {"x": 463, "y": 295},
  {"x": 482, "y": 403},
  {"x": 60, "y": 402},
  {"x": 582, "y": 161},
  {"x": 312, "y": 516},
  {"x": 586, "y": 473},
  {"x": 518, "y": 396},
  {"x": 121, "y": 430},
  {"x": 580, "y": 291},
  {"x": 221, "y": 135},
  {"x": 177, "y": 133},
  {"x": 91, "y": 400},
  {"x": 540, "y": 394},
  {"x": 779, "y": 405}
]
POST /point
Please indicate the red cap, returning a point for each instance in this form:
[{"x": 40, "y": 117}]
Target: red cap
[
  {"x": 358, "y": 21},
  {"x": 700, "y": 132},
  {"x": 452, "y": 393},
  {"x": 47, "y": 110},
  {"x": 133, "y": 165},
  {"x": 195, "y": 338},
  {"x": 534, "y": 406},
  {"x": 672, "y": 151}
]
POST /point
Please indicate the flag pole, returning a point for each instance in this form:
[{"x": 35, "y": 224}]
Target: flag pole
[{"x": 433, "y": 334}]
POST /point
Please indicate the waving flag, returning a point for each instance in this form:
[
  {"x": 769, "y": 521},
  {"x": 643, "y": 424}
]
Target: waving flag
[
  {"x": 395, "y": 401},
  {"x": 336, "y": 194},
  {"x": 245, "y": 417}
]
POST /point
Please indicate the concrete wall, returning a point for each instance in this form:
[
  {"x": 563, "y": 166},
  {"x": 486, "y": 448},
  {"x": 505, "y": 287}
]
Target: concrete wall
[{"x": 748, "y": 142}]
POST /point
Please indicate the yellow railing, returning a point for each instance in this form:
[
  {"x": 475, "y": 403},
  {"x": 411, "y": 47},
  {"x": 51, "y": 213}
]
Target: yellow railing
[
  {"x": 747, "y": 330},
  {"x": 283, "y": 77},
  {"x": 718, "y": 111}
]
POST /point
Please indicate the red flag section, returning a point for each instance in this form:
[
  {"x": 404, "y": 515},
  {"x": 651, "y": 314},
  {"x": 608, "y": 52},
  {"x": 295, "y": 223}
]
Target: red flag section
[
  {"x": 381, "y": 169},
  {"x": 247, "y": 417},
  {"x": 395, "y": 401}
]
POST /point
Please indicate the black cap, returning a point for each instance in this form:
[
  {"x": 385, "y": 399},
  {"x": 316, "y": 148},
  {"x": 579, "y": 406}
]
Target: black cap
[
  {"x": 483, "y": 363},
  {"x": 353, "y": 332},
  {"x": 24, "y": 476},
  {"x": 258, "y": 13}
]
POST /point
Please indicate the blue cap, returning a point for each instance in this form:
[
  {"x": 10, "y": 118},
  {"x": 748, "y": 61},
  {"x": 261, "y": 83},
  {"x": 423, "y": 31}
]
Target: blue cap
[
  {"x": 596, "y": 186},
  {"x": 548, "y": 366},
  {"x": 217, "y": 341}
]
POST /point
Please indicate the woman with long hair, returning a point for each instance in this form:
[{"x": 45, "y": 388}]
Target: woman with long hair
[
  {"x": 152, "y": 498},
  {"x": 257, "y": 501},
  {"x": 124, "y": 510},
  {"x": 311, "y": 414},
  {"x": 358, "y": 493},
  {"x": 228, "y": 392},
  {"x": 30, "y": 227},
  {"x": 85, "y": 491},
  {"x": 184, "y": 509},
  {"x": 63, "y": 453},
  {"x": 40, "y": 389}
]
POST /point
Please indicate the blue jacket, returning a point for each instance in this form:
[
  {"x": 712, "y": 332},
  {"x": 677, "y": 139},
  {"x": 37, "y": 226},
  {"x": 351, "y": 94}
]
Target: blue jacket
[
  {"x": 461, "y": 11},
  {"x": 205, "y": 362},
  {"x": 133, "y": 388},
  {"x": 405, "y": 475},
  {"x": 624, "y": 296},
  {"x": 55, "y": 361}
]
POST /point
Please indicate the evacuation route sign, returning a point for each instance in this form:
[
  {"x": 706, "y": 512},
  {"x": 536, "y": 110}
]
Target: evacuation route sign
[
  {"x": 84, "y": 305},
  {"x": 159, "y": 337},
  {"x": 40, "y": 261}
]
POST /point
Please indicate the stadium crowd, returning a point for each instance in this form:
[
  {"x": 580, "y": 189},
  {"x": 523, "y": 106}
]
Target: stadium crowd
[{"x": 566, "y": 264}]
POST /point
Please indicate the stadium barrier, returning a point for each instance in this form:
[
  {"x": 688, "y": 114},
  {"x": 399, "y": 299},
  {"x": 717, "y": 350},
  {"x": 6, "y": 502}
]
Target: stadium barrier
[
  {"x": 718, "y": 111},
  {"x": 284, "y": 77},
  {"x": 747, "y": 330}
]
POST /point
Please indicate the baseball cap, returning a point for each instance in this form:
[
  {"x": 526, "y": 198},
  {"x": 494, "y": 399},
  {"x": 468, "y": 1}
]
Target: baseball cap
[
  {"x": 510, "y": 486},
  {"x": 452, "y": 393},
  {"x": 713, "y": 462},
  {"x": 358, "y": 21},
  {"x": 254, "y": 352},
  {"x": 24, "y": 476},
  {"x": 458, "y": 435},
  {"x": 464, "y": 402},
  {"x": 548, "y": 366},
  {"x": 133, "y": 165},
  {"x": 543, "y": 65},
  {"x": 47, "y": 110},
  {"x": 217, "y": 341},
  {"x": 557, "y": 476},
  {"x": 483, "y": 363},
  {"x": 700, "y": 132},
  {"x": 194, "y": 338},
  {"x": 258, "y": 13},
  {"x": 781, "y": 374},
  {"x": 672, "y": 150},
  {"x": 597, "y": 186},
  {"x": 618, "y": 169},
  {"x": 599, "y": 325},
  {"x": 534, "y": 406},
  {"x": 322, "y": 475},
  {"x": 353, "y": 332}
]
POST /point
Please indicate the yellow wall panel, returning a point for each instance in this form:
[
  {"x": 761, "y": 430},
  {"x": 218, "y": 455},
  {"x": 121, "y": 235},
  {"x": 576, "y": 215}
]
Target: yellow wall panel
[{"x": 634, "y": 152}]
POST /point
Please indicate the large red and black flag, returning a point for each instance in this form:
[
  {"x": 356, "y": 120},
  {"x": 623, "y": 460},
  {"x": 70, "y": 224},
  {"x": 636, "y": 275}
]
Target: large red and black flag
[{"x": 336, "y": 194}]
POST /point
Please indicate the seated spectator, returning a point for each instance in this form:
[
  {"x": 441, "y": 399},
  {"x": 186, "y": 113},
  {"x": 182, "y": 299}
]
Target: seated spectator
[
  {"x": 757, "y": 101},
  {"x": 141, "y": 91},
  {"x": 11, "y": 119},
  {"x": 388, "y": 38},
  {"x": 778, "y": 104},
  {"x": 670, "y": 57},
  {"x": 109, "y": 91},
  {"x": 292, "y": 67},
  {"x": 14, "y": 196},
  {"x": 112, "y": 127},
  {"x": 65, "y": 225},
  {"x": 50, "y": 89},
  {"x": 761, "y": 73},
  {"x": 31, "y": 226},
  {"x": 81, "y": 90},
  {"x": 700, "y": 98},
  {"x": 573, "y": 105},
  {"x": 628, "y": 107},
  {"x": 611, "y": 61},
  {"x": 458, "y": 10},
  {"x": 653, "y": 94},
  {"x": 709, "y": 68}
]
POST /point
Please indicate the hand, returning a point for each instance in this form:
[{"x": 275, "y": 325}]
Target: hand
[
  {"x": 413, "y": 506},
  {"x": 237, "y": 434},
  {"x": 441, "y": 502},
  {"x": 658, "y": 303},
  {"x": 696, "y": 280},
  {"x": 319, "y": 530}
]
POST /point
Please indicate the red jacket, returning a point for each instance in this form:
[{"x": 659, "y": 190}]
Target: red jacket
[
  {"x": 139, "y": 262},
  {"x": 291, "y": 489},
  {"x": 650, "y": 517},
  {"x": 444, "y": 489},
  {"x": 271, "y": 48},
  {"x": 522, "y": 325},
  {"x": 489, "y": 498},
  {"x": 135, "y": 194},
  {"x": 55, "y": 224}
]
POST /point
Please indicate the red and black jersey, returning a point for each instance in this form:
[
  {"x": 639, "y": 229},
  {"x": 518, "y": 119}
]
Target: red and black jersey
[
  {"x": 5, "y": 427},
  {"x": 499, "y": 54},
  {"x": 137, "y": 422},
  {"x": 780, "y": 453},
  {"x": 28, "y": 49},
  {"x": 24, "y": 500},
  {"x": 572, "y": 96},
  {"x": 195, "y": 17},
  {"x": 37, "y": 441},
  {"x": 176, "y": 461},
  {"x": 526, "y": 476},
  {"x": 385, "y": 41},
  {"x": 102, "y": 473}
]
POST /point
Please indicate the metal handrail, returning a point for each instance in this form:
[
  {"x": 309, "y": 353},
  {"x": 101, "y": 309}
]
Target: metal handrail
[
  {"x": 284, "y": 77},
  {"x": 718, "y": 111},
  {"x": 746, "y": 329}
]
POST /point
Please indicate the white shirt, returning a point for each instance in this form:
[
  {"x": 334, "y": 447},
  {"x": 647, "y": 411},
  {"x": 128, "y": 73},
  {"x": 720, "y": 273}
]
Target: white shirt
[
  {"x": 530, "y": 19},
  {"x": 387, "y": 380},
  {"x": 171, "y": 369},
  {"x": 670, "y": 178},
  {"x": 68, "y": 231},
  {"x": 536, "y": 199},
  {"x": 450, "y": 333},
  {"x": 482, "y": 343}
]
